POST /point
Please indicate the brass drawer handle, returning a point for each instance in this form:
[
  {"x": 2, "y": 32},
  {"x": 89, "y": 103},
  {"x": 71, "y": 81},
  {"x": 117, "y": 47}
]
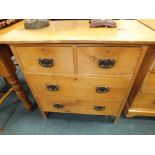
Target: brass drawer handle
[
  {"x": 46, "y": 62},
  {"x": 102, "y": 90},
  {"x": 58, "y": 106},
  {"x": 99, "y": 108},
  {"x": 106, "y": 63},
  {"x": 52, "y": 87}
]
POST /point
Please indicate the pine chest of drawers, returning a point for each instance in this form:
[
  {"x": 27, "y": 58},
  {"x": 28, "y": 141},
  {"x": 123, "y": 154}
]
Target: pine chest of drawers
[
  {"x": 71, "y": 68},
  {"x": 79, "y": 78}
]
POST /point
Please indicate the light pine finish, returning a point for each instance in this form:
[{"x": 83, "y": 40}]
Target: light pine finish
[
  {"x": 141, "y": 100},
  {"x": 78, "y": 106},
  {"x": 78, "y": 31},
  {"x": 79, "y": 87},
  {"x": 145, "y": 101},
  {"x": 76, "y": 49},
  {"x": 142, "y": 103},
  {"x": 153, "y": 68},
  {"x": 125, "y": 57},
  {"x": 148, "y": 22},
  {"x": 7, "y": 70},
  {"x": 62, "y": 56},
  {"x": 149, "y": 83}
]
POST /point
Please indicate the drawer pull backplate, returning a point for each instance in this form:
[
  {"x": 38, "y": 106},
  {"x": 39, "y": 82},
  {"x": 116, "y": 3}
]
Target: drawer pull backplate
[
  {"x": 46, "y": 62},
  {"x": 52, "y": 87},
  {"x": 99, "y": 108},
  {"x": 102, "y": 89},
  {"x": 106, "y": 63},
  {"x": 58, "y": 106}
]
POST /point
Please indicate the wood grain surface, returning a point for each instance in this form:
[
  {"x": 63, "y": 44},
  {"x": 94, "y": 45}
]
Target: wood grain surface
[{"x": 78, "y": 31}]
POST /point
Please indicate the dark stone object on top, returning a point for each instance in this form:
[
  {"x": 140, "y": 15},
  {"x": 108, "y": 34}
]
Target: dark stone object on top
[
  {"x": 35, "y": 23},
  {"x": 94, "y": 23}
]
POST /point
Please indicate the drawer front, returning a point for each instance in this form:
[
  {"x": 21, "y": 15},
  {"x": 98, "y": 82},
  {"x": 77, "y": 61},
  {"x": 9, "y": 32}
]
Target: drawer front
[
  {"x": 145, "y": 101},
  {"x": 149, "y": 83},
  {"x": 46, "y": 60},
  {"x": 107, "y": 60},
  {"x": 80, "y": 87},
  {"x": 47, "y": 104}
]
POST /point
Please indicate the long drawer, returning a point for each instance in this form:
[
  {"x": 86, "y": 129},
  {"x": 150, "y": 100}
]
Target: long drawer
[
  {"x": 79, "y": 87},
  {"x": 48, "y": 104},
  {"x": 145, "y": 101},
  {"x": 46, "y": 59},
  {"x": 107, "y": 60}
]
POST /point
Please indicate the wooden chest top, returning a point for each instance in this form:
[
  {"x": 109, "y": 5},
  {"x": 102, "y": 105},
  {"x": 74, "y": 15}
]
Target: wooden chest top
[
  {"x": 148, "y": 22},
  {"x": 78, "y": 31}
]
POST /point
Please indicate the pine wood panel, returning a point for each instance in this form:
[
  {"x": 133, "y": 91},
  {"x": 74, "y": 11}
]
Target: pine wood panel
[
  {"x": 78, "y": 31},
  {"x": 140, "y": 112},
  {"x": 149, "y": 83},
  {"x": 140, "y": 101},
  {"x": 78, "y": 106},
  {"x": 145, "y": 101},
  {"x": 78, "y": 80},
  {"x": 125, "y": 57},
  {"x": 153, "y": 68},
  {"x": 30, "y": 55},
  {"x": 80, "y": 87},
  {"x": 142, "y": 72},
  {"x": 148, "y": 22}
]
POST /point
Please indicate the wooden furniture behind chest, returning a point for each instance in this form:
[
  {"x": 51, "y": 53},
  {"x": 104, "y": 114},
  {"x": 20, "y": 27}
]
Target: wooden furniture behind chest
[
  {"x": 72, "y": 68},
  {"x": 8, "y": 71},
  {"x": 141, "y": 101}
]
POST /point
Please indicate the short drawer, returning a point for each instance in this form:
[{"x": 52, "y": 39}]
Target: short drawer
[
  {"x": 145, "y": 101},
  {"x": 107, "y": 60},
  {"x": 80, "y": 87},
  {"x": 46, "y": 60},
  {"x": 47, "y": 104},
  {"x": 149, "y": 83}
]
